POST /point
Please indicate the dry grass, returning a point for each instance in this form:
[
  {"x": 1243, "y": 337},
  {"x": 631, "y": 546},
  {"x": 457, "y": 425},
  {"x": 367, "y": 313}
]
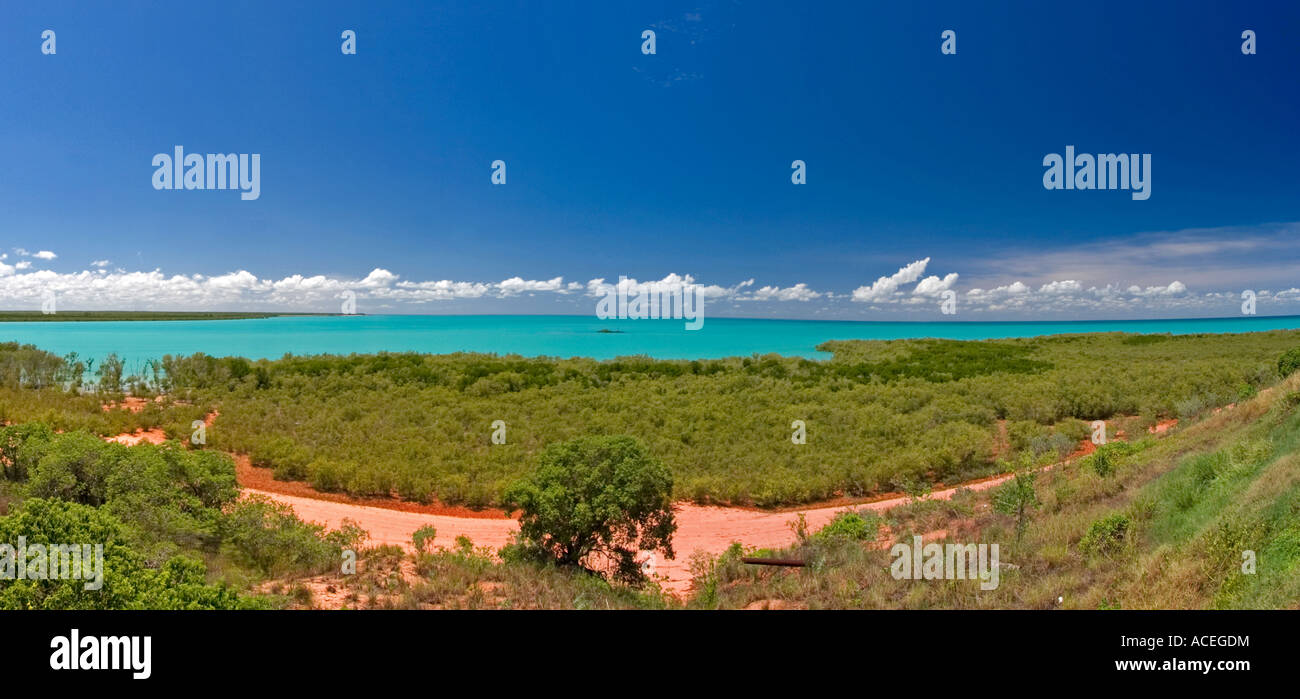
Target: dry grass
[{"x": 1172, "y": 557}]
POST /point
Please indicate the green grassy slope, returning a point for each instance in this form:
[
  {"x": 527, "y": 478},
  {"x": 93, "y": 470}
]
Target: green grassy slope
[{"x": 1170, "y": 528}]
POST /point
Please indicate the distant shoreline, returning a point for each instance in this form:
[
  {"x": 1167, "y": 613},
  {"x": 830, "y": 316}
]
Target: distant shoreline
[
  {"x": 274, "y": 335},
  {"x": 100, "y": 316},
  {"x": 75, "y": 316}
]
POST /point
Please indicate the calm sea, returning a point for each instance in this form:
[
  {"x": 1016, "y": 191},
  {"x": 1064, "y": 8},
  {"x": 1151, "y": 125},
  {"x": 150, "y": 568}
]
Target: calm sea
[{"x": 562, "y": 336}]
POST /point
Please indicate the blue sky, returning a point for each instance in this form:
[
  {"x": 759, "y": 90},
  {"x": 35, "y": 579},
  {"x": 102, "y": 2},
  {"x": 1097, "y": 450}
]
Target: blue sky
[{"x": 375, "y": 167}]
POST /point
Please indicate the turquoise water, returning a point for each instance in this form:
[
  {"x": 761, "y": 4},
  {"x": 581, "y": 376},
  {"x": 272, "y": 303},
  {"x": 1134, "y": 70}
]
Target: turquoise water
[{"x": 563, "y": 336}]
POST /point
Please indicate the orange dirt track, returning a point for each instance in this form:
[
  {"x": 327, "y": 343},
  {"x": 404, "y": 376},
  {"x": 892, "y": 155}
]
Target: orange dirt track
[{"x": 699, "y": 528}]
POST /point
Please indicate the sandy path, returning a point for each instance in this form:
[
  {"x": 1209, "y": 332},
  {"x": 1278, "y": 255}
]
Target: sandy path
[
  {"x": 699, "y": 528},
  {"x": 387, "y": 526},
  {"x": 153, "y": 436},
  {"x": 710, "y": 529}
]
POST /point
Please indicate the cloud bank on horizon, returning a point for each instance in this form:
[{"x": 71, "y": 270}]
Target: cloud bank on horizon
[{"x": 1108, "y": 280}]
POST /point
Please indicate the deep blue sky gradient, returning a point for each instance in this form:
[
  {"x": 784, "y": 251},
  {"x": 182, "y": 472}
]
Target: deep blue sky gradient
[{"x": 620, "y": 163}]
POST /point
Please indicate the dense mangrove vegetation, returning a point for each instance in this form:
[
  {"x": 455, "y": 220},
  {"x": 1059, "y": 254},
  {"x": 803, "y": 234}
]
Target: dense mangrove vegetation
[
  {"x": 173, "y": 531},
  {"x": 879, "y": 415},
  {"x": 1166, "y": 524},
  {"x": 1092, "y": 533}
]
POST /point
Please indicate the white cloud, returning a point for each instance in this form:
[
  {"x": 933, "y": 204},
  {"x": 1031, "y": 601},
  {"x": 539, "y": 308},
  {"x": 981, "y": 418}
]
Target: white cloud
[
  {"x": 934, "y": 286},
  {"x": 378, "y": 278},
  {"x": 100, "y": 263},
  {"x": 889, "y": 289},
  {"x": 43, "y": 254},
  {"x": 1068, "y": 286},
  {"x": 515, "y": 285},
  {"x": 798, "y": 292},
  {"x": 1208, "y": 258},
  {"x": 598, "y": 287},
  {"x": 885, "y": 288},
  {"x": 1173, "y": 288},
  {"x": 1017, "y": 288},
  {"x": 442, "y": 290},
  {"x": 21, "y": 286},
  {"x": 1069, "y": 297},
  {"x": 154, "y": 290}
]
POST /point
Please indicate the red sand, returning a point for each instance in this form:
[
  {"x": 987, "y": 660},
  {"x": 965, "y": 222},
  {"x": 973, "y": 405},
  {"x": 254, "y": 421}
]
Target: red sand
[
  {"x": 131, "y": 403},
  {"x": 1164, "y": 425},
  {"x": 153, "y": 436},
  {"x": 699, "y": 528}
]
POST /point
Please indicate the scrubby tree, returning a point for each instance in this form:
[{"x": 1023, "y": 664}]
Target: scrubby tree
[
  {"x": 1103, "y": 460},
  {"x": 123, "y": 582},
  {"x": 423, "y": 538},
  {"x": 1289, "y": 363},
  {"x": 594, "y": 502},
  {"x": 268, "y": 536},
  {"x": 110, "y": 374},
  {"x": 1107, "y": 535},
  {"x": 1016, "y": 498},
  {"x": 21, "y": 447}
]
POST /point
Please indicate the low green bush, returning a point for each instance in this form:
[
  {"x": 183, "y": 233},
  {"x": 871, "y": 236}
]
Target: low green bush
[
  {"x": 851, "y": 526},
  {"x": 1106, "y": 536},
  {"x": 1289, "y": 362}
]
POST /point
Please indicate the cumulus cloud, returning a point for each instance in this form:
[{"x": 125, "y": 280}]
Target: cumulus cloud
[
  {"x": 907, "y": 291},
  {"x": 1013, "y": 289},
  {"x": 885, "y": 288},
  {"x": 155, "y": 290},
  {"x": 889, "y": 289},
  {"x": 798, "y": 292},
  {"x": 1068, "y": 286},
  {"x": 934, "y": 286},
  {"x": 1069, "y": 296},
  {"x": 42, "y": 254},
  {"x": 1228, "y": 257},
  {"x": 599, "y": 287},
  {"x": 515, "y": 285},
  {"x": 441, "y": 290},
  {"x": 1173, "y": 288}
]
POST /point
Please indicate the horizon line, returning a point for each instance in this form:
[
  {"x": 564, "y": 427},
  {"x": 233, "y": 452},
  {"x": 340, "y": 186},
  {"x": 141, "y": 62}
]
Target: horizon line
[{"x": 616, "y": 320}]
